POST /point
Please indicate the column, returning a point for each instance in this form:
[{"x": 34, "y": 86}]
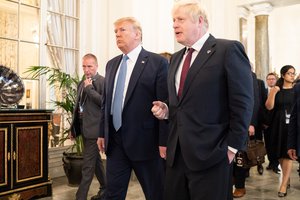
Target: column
[
  {"x": 243, "y": 26},
  {"x": 261, "y": 12}
]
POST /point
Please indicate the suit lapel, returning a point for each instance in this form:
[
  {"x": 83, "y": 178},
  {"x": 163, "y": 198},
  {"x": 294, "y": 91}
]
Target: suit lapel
[
  {"x": 111, "y": 79},
  {"x": 136, "y": 73},
  {"x": 205, "y": 53}
]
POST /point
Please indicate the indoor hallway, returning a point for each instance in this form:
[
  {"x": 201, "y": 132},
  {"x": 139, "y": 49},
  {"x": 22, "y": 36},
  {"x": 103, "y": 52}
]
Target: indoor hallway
[{"x": 258, "y": 187}]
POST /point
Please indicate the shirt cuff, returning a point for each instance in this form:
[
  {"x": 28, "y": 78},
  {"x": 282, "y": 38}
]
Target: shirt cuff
[
  {"x": 233, "y": 150},
  {"x": 167, "y": 113}
]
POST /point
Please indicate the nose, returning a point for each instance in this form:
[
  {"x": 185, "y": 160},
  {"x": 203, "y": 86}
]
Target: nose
[
  {"x": 175, "y": 23},
  {"x": 117, "y": 33}
]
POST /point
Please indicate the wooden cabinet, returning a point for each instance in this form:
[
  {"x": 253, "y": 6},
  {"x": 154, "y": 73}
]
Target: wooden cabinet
[{"x": 24, "y": 153}]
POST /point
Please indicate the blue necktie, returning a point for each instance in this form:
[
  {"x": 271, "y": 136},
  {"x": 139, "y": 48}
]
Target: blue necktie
[{"x": 118, "y": 98}]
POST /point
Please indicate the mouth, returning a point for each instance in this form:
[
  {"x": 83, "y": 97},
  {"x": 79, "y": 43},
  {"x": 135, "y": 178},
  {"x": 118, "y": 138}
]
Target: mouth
[{"x": 177, "y": 33}]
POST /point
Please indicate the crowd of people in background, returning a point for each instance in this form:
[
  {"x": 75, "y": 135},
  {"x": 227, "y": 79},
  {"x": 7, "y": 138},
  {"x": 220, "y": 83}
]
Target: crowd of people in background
[{"x": 274, "y": 119}]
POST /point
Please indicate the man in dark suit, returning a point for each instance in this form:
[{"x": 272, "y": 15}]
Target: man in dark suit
[
  {"x": 210, "y": 114},
  {"x": 86, "y": 122},
  {"x": 132, "y": 137},
  {"x": 271, "y": 79}
]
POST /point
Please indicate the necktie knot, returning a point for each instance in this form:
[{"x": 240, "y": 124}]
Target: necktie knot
[
  {"x": 125, "y": 58},
  {"x": 190, "y": 50}
]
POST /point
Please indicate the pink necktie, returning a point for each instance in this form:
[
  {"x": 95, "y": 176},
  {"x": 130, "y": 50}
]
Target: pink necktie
[{"x": 185, "y": 69}]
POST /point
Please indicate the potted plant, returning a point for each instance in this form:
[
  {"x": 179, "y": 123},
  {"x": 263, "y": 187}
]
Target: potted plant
[{"x": 67, "y": 85}]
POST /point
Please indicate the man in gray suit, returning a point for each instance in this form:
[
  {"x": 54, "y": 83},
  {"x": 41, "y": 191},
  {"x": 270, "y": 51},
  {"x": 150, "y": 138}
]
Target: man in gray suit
[{"x": 86, "y": 121}]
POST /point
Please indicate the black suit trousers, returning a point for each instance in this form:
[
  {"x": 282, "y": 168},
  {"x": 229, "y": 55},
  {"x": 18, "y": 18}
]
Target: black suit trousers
[
  {"x": 273, "y": 161},
  {"x": 213, "y": 183},
  {"x": 150, "y": 172}
]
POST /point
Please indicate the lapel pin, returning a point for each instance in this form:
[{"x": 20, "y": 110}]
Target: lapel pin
[
  {"x": 143, "y": 61},
  {"x": 208, "y": 51}
]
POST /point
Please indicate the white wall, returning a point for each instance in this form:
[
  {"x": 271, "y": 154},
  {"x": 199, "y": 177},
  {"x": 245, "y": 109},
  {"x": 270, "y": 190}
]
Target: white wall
[
  {"x": 97, "y": 30},
  {"x": 98, "y": 16},
  {"x": 284, "y": 35}
]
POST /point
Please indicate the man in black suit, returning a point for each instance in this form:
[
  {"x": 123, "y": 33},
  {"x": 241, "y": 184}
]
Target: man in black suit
[
  {"x": 271, "y": 79},
  {"x": 210, "y": 114},
  {"x": 86, "y": 122},
  {"x": 131, "y": 136}
]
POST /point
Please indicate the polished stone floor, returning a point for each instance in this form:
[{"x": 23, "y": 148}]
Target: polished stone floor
[{"x": 259, "y": 187}]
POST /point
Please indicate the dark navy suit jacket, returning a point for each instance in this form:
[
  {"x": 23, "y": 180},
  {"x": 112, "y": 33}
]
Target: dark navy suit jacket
[
  {"x": 216, "y": 105},
  {"x": 141, "y": 132}
]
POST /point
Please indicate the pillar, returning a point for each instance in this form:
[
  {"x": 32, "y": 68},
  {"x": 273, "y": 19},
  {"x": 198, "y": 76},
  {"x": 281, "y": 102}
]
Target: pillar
[{"x": 261, "y": 12}]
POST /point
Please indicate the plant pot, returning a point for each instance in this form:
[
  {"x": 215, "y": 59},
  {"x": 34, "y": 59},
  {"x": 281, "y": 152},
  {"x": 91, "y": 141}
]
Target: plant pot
[{"x": 72, "y": 163}]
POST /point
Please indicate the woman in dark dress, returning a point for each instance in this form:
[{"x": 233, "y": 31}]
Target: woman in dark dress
[{"x": 280, "y": 101}]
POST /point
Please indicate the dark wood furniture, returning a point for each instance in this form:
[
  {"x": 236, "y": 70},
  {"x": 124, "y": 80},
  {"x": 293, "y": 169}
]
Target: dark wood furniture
[{"x": 24, "y": 153}]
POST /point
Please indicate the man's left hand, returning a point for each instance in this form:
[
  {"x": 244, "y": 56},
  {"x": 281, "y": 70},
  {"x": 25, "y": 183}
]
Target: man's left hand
[{"x": 163, "y": 152}]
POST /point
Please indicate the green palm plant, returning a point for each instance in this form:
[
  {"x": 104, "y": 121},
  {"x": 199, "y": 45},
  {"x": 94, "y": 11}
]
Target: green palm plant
[{"x": 67, "y": 85}]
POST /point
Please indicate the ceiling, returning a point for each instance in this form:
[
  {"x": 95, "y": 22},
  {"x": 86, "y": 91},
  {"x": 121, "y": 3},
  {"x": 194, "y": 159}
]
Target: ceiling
[{"x": 274, "y": 3}]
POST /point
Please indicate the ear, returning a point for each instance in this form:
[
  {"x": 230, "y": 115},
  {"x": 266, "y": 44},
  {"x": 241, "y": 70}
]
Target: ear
[
  {"x": 138, "y": 34},
  {"x": 201, "y": 20}
]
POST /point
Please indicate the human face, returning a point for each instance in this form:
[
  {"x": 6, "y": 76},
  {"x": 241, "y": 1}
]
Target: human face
[
  {"x": 271, "y": 81},
  {"x": 127, "y": 37},
  {"x": 89, "y": 67},
  {"x": 289, "y": 76},
  {"x": 187, "y": 30}
]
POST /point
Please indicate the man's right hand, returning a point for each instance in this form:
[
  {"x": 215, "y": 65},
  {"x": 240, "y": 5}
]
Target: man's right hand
[
  {"x": 101, "y": 144},
  {"x": 292, "y": 154},
  {"x": 160, "y": 110}
]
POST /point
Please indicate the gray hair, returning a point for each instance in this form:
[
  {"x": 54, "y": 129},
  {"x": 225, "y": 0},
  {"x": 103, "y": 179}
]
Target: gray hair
[{"x": 194, "y": 8}]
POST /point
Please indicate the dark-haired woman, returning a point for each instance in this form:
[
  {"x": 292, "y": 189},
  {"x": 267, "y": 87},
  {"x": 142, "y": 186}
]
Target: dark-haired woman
[{"x": 280, "y": 100}]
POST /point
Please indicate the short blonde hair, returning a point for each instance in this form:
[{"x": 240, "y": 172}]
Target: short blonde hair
[
  {"x": 136, "y": 24},
  {"x": 194, "y": 8}
]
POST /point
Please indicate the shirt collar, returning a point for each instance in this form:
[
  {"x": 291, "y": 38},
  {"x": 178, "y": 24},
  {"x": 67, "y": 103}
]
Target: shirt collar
[
  {"x": 133, "y": 55},
  {"x": 199, "y": 44}
]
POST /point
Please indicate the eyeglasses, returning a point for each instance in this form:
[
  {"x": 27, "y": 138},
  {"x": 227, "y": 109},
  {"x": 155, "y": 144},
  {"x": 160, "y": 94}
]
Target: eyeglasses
[{"x": 291, "y": 74}]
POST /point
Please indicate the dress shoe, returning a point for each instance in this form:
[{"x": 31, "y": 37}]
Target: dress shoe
[
  {"x": 269, "y": 167},
  {"x": 260, "y": 169},
  {"x": 239, "y": 192},
  {"x": 276, "y": 170},
  {"x": 100, "y": 195}
]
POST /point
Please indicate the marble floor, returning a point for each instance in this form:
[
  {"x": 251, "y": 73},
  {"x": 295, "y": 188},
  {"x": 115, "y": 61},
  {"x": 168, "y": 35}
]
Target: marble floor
[{"x": 259, "y": 187}]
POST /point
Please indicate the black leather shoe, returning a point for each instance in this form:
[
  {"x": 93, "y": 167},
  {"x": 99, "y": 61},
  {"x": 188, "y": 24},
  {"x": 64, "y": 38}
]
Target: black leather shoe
[
  {"x": 269, "y": 167},
  {"x": 276, "y": 170},
  {"x": 260, "y": 169},
  {"x": 100, "y": 195}
]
